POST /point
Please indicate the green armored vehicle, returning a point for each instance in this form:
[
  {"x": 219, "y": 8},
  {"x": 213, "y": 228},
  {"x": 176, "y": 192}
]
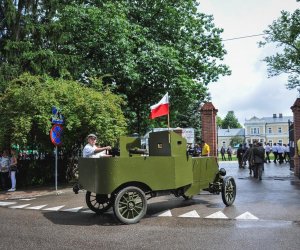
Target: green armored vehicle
[{"x": 128, "y": 181}]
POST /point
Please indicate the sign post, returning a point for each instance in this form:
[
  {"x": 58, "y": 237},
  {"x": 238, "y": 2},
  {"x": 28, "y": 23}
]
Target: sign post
[{"x": 55, "y": 135}]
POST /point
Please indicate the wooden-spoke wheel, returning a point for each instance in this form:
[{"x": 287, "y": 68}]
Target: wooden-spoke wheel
[
  {"x": 99, "y": 203},
  {"x": 228, "y": 190},
  {"x": 130, "y": 205}
]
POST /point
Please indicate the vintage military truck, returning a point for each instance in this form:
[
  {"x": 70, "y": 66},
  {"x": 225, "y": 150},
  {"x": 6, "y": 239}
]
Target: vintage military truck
[{"x": 128, "y": 181}]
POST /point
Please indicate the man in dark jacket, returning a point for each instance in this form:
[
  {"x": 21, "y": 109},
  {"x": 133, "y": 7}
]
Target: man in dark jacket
[{"x": 258, "y": 158}]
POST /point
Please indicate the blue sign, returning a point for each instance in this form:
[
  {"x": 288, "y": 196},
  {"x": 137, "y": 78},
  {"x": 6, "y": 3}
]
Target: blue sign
[
  {"x": 57, "y": 117},
  {"x": 56, "y": 134}
]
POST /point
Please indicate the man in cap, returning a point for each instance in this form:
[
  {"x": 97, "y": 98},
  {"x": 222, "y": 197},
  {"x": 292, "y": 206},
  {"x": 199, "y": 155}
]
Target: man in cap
[{"x": 92, "y": 151}]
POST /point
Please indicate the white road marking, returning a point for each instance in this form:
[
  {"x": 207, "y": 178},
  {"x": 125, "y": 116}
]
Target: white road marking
[
  {"x": 6, "y": 203},
  {"x": 164, "y": 214},
  {"x": 37, "y": 207},
  {"x": 88, "y": 211},
  {"x": 191, "y": 214},
  {"x": 217, "y": 215},
  {"x": 27, "y": 199},
  {"x": 53, "y": 208},
  {"x": 246, "y": 216},
  {"x": 75, "y": 209},
  {"x": 20, "y": 206}
]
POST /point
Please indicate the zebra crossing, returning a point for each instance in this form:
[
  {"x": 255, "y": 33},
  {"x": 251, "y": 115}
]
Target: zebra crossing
[{"x": 168, "y": 213}]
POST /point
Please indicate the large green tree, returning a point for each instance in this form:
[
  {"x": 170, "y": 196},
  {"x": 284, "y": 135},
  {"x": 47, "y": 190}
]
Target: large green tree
[
  {"x": 141, "y": 49},
  {"x": 25, "y": 109},
  {"x": 285, "y": 33}
]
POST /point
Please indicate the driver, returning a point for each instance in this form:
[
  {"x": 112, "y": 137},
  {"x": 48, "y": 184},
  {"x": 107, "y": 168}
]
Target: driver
[{"x": 92, "y": 151}]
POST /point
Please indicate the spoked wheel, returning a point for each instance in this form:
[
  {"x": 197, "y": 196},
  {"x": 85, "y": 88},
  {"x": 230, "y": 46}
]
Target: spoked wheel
[
  {"x": 130, "y": 205},
  {"x": 99, "y": 203},
  {"x": 228, "y": 190}
]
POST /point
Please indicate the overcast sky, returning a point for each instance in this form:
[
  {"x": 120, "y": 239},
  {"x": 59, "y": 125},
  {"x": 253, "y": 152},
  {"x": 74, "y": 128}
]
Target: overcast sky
[{"x": 248, "y": 91}]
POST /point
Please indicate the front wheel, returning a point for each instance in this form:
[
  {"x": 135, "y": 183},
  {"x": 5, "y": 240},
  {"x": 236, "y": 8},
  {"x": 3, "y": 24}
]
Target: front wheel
[
  {"x": 130, "y": 205},
  {"x": 99, "y": 203},
  {"x": 228, "y": 190}
]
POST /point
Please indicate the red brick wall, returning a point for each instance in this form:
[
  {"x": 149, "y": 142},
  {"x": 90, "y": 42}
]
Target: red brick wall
[
  {"x": 296, "y": 110},
  {"x": 209, "y": 126}
]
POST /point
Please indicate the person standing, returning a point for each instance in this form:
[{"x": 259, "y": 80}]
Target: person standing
[
  {"x": 280, "y": 152},
  {"x": 268, "y": 150},
  {"x": 4, "y": 170},
  {"x": 229, "y": 153},
  {"x": 13, "y": 170},
  {"x": 239, "y": 155},
  {"x": 205, "y": 148},
  {"x": 287, "y": 153},
  {"x": 223, "y": 153},
  {"x": 92, "y": 151},
  {"x": 258, "y": 159},
  {"x": 275, "y": 152}
]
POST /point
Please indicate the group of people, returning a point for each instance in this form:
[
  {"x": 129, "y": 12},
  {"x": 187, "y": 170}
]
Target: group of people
[
  {"x": 223, "y": 151},
  {"x": 8, "y": 170},
  {"x": 199, "y": 150}
]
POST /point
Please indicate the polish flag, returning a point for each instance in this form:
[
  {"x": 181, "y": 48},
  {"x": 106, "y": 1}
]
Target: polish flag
[{"x": 161, "y": 108}]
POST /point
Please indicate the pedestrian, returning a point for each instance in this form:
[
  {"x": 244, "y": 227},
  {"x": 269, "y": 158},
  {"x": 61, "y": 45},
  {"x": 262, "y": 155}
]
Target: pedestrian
[
  {"x": 4, "y": 170},
  {"x": 287, "y": 153},
  {"x": 280, "y": 152},
  {"x": 275, "y": 152},
  {"x": 268, "y": 150},
  {"x": 257, "y": 158},
  {"x": 197, "y": 150},
  {"x": 239, "y": 155},
  {"x": 246, "y": 157},
  {"x": 13, "y": 170},
  {"x": 223, "y": 153},
  {"x": 92, "y": 151},
  {"x": 229, "y": 153},
  {"x": 205, "y": 148}
]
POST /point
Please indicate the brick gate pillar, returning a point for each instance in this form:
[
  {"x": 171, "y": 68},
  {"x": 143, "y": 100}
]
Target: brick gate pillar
[
  {"x": 296, "y": 111},
  {"x": 209, "y": 126}
]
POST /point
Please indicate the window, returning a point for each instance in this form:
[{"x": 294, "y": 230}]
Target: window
[
  {"x": 270, "y": 130},
  {"x": 279, "y": 130},
  {"x": 254, "y": 131},
  {"x": 280, "y": 141}
]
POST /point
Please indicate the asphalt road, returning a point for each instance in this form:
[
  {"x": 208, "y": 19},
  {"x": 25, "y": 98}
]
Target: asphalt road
[{"x": 265, "y": 215}]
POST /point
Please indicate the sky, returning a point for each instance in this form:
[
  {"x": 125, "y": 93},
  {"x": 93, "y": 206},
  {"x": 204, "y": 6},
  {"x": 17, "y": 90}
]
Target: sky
[{"x": 248, "y": 91}]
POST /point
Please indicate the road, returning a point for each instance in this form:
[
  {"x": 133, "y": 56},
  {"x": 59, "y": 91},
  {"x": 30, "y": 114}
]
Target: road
[{"x": 265, "y": 215}]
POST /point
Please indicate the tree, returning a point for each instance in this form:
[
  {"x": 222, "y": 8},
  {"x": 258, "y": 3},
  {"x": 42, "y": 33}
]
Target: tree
[
  {"x": 230, "y": 121},
  {"x": 26, "y": 110},
  {"x": 141, "y": 48},
  {"x": 236, "y": 140},
  {"x": 284, "y": 32}
]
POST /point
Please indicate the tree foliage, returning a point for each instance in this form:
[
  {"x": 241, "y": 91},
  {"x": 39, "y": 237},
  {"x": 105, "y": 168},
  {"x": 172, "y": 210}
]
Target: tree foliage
[
  {"x": 230, "y": 121},
  {"x": 141, "y": 50},
  {"x": 285, "y": 33},
  {"x": 26, "y": 111}
]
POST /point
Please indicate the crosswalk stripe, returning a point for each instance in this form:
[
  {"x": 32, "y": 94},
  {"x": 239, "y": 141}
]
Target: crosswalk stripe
[
  {"x": 191, "y": 214},
  {"x": 20, "y": 206},
  {"x": 246, "y": 216},
  {"x": 6, "y": 203},
  {"x": 53, "y": 208},
  {"x": 217, "y": 215},
  {"x": 75, "y": 209},
  {"x": 164, "y": 214},
  {"x": 36, "y": 207}
]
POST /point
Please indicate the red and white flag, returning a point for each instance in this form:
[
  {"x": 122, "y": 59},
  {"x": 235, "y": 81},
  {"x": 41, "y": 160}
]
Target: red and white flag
[{"x": 161, "y": 108}]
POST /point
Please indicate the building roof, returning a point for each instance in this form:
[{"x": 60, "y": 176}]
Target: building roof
[
  {"x": 231, "y": 132},
  {"x": 271, "y": 119}
]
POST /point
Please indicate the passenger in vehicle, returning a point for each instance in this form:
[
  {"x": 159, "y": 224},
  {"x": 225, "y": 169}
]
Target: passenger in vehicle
[{"x": 92, "y": 151}]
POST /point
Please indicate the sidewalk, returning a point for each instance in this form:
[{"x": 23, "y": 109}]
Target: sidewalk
[{"x": 31, "y": 192}]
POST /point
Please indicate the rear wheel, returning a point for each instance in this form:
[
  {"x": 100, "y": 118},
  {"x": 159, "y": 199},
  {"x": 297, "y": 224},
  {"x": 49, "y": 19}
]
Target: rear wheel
[
  {"x": 228, "y": 190},
  {"x": 99, "y": 203},
  {"x": 130, "y": 205}
]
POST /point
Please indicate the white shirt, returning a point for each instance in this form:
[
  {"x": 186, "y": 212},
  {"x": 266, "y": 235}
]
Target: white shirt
[{"x": 89, "y": 152}]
